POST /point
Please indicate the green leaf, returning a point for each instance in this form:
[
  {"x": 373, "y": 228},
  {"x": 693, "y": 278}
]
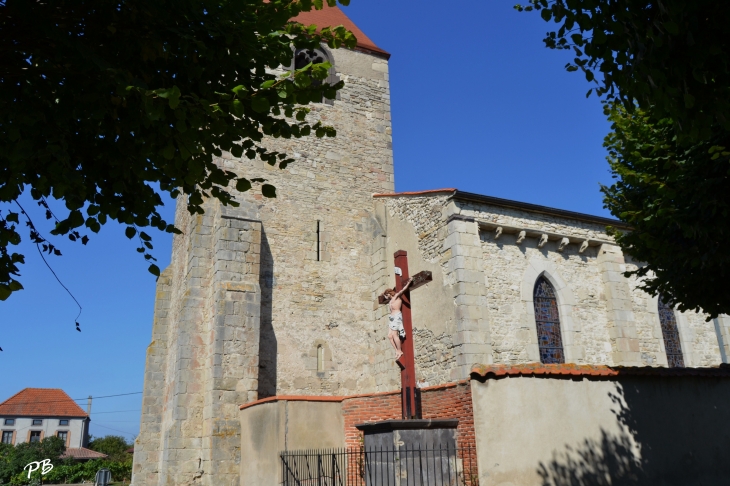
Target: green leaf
[
  {"x": 5, "y": 292},
  {"x": 239, "y": 90},
  {"x": 169, "y": 151},
  {"x": 268, "y": 84},
  {"x": 268, "y": 190},
  {"x": 689, "y": 100},
  {"x": 259, "y": 104},
  {"x": 671, "y": 27},
  {"x": 237, "y": 108},
  {"x": 154, "y": 270},
  {"x": 130, "y": 232},
  {"x": 12, "y": 217}
]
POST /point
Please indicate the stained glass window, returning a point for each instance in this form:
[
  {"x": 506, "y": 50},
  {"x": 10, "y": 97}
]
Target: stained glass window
[
  {"x": 670, "y": 332},
  {"x": 547, "y": 318}
]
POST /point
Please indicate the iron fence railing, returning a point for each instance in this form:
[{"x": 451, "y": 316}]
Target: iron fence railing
[{"x": 405, "y": 466}]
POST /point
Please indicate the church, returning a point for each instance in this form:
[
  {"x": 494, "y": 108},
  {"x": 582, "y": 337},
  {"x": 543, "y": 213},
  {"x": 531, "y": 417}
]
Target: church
[{"x": 553, "y": 368}]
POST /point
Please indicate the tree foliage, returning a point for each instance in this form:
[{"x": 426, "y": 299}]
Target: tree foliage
[
  {"x": 677, "y": 199},
  {"x": 114, "y": 446},
  {"x": 669, "y": 56},
  {"x": 662, "y": 67},
  {"x": 14, "y": 458},
  {"x": 102, "y": 102}
]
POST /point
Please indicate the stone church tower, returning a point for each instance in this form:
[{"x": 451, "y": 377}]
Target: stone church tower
[
  {"x": 267, "y": 336},
  {"x": 273, "y": 297}
]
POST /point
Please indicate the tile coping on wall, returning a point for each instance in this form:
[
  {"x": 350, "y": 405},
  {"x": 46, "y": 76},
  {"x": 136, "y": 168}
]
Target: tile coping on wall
[
  {"x": 548, "y": 370},
  {"x": 315, "y": 398},
  {"x": 416, "y": 193}
]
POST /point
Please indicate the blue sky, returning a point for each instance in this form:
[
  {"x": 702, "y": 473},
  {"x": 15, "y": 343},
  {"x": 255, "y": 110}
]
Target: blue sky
[{"x": 478, "y": 103}]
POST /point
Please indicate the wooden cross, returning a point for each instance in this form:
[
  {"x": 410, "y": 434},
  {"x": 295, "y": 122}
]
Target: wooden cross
[{"x": 410, "y": 398}]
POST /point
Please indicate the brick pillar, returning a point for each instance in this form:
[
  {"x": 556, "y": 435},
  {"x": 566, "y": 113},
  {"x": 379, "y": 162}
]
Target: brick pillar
[
  {"x": 465, "y": 273},
  {"x": 621, "y": 322}
]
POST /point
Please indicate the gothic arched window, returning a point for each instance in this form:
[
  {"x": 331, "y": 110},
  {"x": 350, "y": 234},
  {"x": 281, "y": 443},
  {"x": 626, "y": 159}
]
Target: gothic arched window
[
  {"x": 302, "y": 57},
  {"x": 670, "y": 332},
  {"x": 547, "y": 319}
]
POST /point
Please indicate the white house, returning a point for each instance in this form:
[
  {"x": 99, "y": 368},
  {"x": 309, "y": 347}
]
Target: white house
[{"x": 35, "y": 413}]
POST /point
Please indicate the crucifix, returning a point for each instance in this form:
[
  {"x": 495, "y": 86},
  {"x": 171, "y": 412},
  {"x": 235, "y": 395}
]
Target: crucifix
[{"x": 410, "y": 398}]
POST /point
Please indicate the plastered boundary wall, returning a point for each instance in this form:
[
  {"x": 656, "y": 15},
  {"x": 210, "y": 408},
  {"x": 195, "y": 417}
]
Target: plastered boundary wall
[
  {"x": 573, "y": 430},
  {"x": 275, "y": 424},
  {"x": 479, "y": 308}
]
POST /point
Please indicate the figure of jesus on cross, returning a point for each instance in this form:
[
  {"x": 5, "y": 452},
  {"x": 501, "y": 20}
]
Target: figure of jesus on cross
[
  {"x": 396, "y": 332},
  {"x": 404, "y": 342}
]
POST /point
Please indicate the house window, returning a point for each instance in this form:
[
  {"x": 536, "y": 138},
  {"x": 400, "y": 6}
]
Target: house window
[
  {"x": 63, "y": 422},
  {"x": 7, "y": 436},
  {"x": 547, "y": 318},
  {"x": 62, "y": 434},
  {"x": 670, "y": 332},
  {"x": 37, "y": 421},
  {"x": 35, "y": 436},
  {"x": 9, "y": 421}
]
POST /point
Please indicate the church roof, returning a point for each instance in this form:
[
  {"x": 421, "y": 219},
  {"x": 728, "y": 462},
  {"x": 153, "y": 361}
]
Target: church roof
[
  {"x": 41, "y": 402},
  {"x": 508, "y": 203},
  {"x": 332, "y": 17}
]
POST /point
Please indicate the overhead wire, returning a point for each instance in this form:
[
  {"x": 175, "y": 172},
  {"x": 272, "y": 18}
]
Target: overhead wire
[{"x": 76, "y": 399}]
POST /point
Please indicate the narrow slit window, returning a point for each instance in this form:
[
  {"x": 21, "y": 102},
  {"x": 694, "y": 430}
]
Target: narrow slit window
[
  {"x": 320, "y": 359},
  {"x": 319, "y": 242},
  {"x": 547, "y": 318},
  {"x": 670, "y": 333}
]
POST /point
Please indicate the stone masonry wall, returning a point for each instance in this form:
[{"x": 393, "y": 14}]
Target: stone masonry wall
[
  {"x": 605, "y": 318},
  {"x": 210, "y": 364},
  {"x": 255, "y": 291},
  {"x": 316, "y": 261},
  {"x": 699, "y": 339},
  {"x": 147, "y": 444}
]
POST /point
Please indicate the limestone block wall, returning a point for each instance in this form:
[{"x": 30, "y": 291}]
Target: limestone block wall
[
  {"x": 605, "y": 318},
  {"x": 254, "y": 292},
  {"x": 207, "y": 314},
  {"x": 147, "y": 444},
  {"x": 316, "y": 241},
  {"x": 701, "y": 340},
  {"x": 511, "y": 270},
  {"x": 434, "y": 322}
]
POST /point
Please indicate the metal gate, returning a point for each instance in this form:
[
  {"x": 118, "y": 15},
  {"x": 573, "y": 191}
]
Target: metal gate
[{"x": 380, "y": 467}]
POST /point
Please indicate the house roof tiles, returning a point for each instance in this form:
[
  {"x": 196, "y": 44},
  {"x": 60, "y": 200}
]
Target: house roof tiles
[
  {"x": 82, "y": 453},
  {"x": 41, "y": 402}
]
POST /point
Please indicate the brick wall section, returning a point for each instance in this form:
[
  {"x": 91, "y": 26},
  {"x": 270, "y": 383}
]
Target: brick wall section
[{"x": 438, "y": 402}]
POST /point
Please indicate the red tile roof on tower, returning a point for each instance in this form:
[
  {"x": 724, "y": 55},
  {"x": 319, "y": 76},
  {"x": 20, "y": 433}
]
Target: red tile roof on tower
[
  {"x": 41, "y": 402},
  {"x": 332, "y": 17}
]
